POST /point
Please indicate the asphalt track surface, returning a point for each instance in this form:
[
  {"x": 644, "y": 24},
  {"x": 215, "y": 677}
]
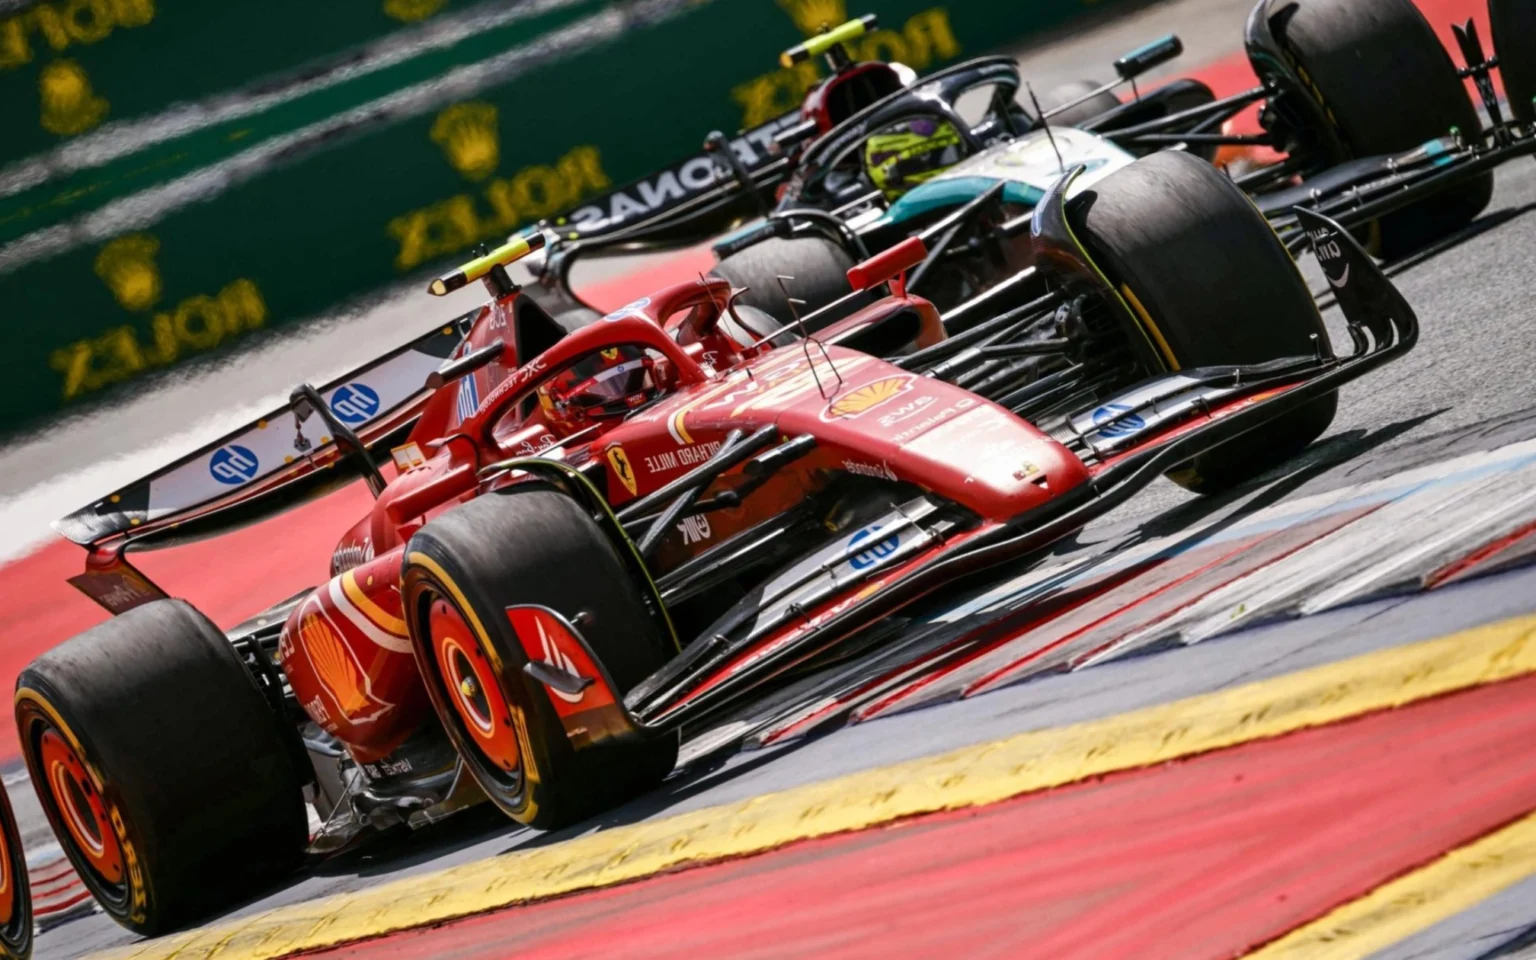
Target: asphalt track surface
[{"x": 1462, "y": 397}]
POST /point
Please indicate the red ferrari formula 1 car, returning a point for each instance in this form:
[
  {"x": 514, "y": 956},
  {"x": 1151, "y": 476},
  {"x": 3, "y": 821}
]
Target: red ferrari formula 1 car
[{"x": 598, "y": 539}]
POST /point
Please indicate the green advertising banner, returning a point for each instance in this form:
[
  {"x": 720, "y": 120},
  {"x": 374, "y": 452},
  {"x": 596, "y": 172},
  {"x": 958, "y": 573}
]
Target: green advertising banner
[
  {"x": 301, "y": 221},
  {"x": 68, "y": 66}
]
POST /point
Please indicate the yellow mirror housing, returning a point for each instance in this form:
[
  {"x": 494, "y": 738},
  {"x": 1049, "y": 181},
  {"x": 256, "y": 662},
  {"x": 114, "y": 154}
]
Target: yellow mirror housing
[
  {"x": 510, "y": 252},
  {"x": 823, "y": 42}
]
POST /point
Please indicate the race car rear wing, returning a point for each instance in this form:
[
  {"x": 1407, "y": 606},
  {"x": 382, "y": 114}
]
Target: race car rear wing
[{"x": 273, "y": 463}]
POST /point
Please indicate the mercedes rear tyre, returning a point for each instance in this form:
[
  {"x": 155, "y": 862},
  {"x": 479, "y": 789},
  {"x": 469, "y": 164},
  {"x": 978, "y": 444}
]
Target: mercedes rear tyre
[
  {"x": 819, "y": 269},
  {"x": 1076, "y": 116},
  {"x": 1377, "y": 73},
  {"x": 161, "y": 767},
  {"x": 1210, "y": 285},
  {"x": 529, "y": 547}
]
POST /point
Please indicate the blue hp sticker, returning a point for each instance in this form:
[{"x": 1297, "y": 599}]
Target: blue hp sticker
[
  {"x": 633, "y": 309},
  {"x": 1122, "y": 427},
  {"x": 867, "y": 558},
  {"x": 354, "y": 403},
  {"x": 233, "y": 464}
]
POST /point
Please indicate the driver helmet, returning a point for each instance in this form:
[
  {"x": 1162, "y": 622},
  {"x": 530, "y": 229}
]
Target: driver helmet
[
  {"x": 606, "y": 384},
  {"x": 903, "y": 155}
]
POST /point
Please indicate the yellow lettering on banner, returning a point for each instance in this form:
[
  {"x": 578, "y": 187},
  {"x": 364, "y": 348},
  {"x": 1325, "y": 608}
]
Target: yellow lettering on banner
[
  {"x": 195, "y": 324},
  {"x": 503, "y": 204},
  {"x": 64, "y": 23},
  {"x": 925, "y": 37},
  {"x": 930, "y": 37},
  {"x": 765, "y": 97}
]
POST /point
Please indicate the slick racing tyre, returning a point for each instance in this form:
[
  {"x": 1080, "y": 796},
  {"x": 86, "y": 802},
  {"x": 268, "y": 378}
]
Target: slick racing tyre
[
  {"x": 529, "y": 546},
  {"x": 1080, "y": 114},
  {"x": 1377, "y": 71},
  {"x": 819, "y": 268},
  {"x": 15, "y": 890},
  {"x": 161, "y": 767},
  {"x": 1212, "y": 285},
  {"x": 1514, "y": 41}
]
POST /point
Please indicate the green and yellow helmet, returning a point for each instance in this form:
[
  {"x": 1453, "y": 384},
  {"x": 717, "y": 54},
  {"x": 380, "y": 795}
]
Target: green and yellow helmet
[{"x": 903, "y": 155}]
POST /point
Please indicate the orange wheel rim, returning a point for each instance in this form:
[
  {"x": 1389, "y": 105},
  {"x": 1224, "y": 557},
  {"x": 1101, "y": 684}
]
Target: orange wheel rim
[
  {"x": 81, "y": 807},
  {"x": 7, "y": 886},
  {"x": 470, "y": 685}
]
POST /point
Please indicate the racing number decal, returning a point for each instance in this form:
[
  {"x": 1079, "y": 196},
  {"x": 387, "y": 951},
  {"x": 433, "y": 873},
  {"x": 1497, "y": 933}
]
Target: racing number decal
[{"x": 619, "y": 460}]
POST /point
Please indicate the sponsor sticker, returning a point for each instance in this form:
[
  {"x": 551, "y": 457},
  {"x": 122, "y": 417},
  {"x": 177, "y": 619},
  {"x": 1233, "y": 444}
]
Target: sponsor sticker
[
  {"x": 233, "y": 464},
  {"x": 354, "y": 403},
  {"x": 408, "y": 457},
  {"x": 689, "y": 456},
  {"x": 880, "y": 471},
  {"x": 873, "y": 553},
  {"x": 619, "y": 461},
  {"x": 861, "y": 400},
  {"x": 1113, "y": 420}
]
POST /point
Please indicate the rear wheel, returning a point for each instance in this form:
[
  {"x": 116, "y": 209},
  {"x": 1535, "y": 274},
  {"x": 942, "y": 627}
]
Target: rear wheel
[
  {"x": 161, "y": 767},
  {"x": 819, "y": 268},
  {"x": 1212, "y": 285},
  {"x": 530, "y": 546},
  {"x": 1514, "y": 40},
  {"x": 1383, "y": 80},
  {"x": 1099, "y": 103},
  {"x": 15, "y": 891}
]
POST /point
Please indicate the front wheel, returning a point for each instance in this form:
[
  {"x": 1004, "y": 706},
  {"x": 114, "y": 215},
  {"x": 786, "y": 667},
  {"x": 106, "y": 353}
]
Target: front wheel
[
  {"x": 529, "y": 547},
  {"x": 1377, "y": 74},
  {"x": 1210, "y": 285}
]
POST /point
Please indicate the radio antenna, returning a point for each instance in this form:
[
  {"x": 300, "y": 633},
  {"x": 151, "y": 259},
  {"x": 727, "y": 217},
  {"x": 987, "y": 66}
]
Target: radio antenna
[
  {"x": 1046, "y": 126},
  {"x": 806, "y": 339}
]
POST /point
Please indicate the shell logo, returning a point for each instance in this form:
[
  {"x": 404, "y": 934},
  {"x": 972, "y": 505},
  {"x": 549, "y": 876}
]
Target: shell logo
[
  {"x": 338, "y": 672},
  {"x": 859, "y": 401}
]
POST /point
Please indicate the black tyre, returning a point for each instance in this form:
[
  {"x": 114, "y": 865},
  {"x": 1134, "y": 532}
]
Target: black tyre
[
  {"x": 820, "y": 271},
  {"x": 1213, "y": 286},
  {"x": 15, "y": 890},
  {"x": 1384, "y": 80},
  {"x": 1076, "y": 116},
  {"x": 1514, "y": 40},
  {"x": 161, "y": 767},
  {"x": 529, "y": 546}
]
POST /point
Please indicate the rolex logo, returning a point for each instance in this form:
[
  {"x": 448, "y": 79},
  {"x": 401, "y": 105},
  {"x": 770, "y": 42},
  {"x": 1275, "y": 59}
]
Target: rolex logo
[
  {"x": 411, "y": 11},
  {"x": 814, "y": 16},
  {"x": 70, "y": 106},
  {"x": 127, "y": 267},
  {"x": 467, "y": 134}
]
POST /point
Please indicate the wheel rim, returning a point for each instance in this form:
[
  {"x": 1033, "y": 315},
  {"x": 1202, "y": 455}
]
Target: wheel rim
[
  {"x": 471, "y": 687},
  {"x": 7, "y": 877},
  {"x": 80, "y": 807}
]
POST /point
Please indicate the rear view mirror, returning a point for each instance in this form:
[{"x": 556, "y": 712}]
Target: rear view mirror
[{"x": 1144, "y": 58}]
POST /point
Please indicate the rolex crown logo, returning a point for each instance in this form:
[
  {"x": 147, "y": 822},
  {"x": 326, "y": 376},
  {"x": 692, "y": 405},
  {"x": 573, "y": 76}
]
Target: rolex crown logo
[
  {"x": 411, "y": 11},
  {"x": 813, "y": 16},
  {"x": 467, "y": 134},
  {"x": 127, "y": 267},
  {"x": 69, "y": 105}
]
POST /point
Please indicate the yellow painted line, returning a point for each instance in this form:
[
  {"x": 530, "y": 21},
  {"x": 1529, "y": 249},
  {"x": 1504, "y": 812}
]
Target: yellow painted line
[
  {"x": 1395, "y": 911},
  {"x": 968, "y": 777}
]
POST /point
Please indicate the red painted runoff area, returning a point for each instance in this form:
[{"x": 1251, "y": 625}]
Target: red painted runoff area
[{"x": 1203, "y": 858}]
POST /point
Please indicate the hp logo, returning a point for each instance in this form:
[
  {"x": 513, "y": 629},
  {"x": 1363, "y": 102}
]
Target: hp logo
[
  {"x": 875, "y": 553},
  {"x": 1123, "y": 427},
  {"x": 354, "y": 403},
  {"x": 233, "y": 464}
]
